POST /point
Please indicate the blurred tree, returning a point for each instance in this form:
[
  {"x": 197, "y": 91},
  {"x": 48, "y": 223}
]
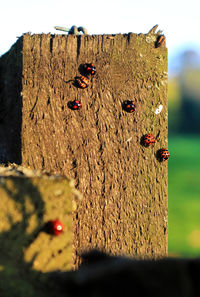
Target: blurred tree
[
  {"x": 174, "y": 105},
  {"x": 189, "y": 79},
  {"x": 184, "y": 95}
]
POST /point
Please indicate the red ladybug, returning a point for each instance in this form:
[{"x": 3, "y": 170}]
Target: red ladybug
[
  {"x": 148, "y": 139},
  {"x": 160, "y": 41},
  {"x": 75, "y": 105},
  {"x": 82, "y": 81},
  {"x": 90, "y": 69},
  {"x": 55, "y": 227},
  {"x": 163, "y": 154},
  {"x": 128, "y": 106}
]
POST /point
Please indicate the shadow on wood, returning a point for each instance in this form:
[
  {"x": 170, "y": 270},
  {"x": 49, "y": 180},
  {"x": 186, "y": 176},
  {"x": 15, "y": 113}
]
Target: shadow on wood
[{"x": 11, "y": 104}]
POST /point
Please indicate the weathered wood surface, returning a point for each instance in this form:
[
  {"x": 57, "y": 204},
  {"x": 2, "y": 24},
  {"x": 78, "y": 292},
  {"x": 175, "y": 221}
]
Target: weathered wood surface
[{"x": 124, "y": 210}]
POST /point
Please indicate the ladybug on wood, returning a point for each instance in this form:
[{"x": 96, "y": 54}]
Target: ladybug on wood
[
  {"x": 75, "y": 105},
  {"x": 89, "y": 69},
  {"x": 160, "y": 41},
  {"x": 54, "y": 227},
  {"x": 82, "y": 81},
  {"x": 148, "y": 140},
  {"x": 163, "y": 154},
  {"x": 128, "y": 106}
]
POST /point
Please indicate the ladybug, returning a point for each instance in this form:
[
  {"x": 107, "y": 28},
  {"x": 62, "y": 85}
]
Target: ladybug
[
  {"x": 128, "y": 106},
  {"x": 148, "y": 140},
  {"x": 90, "y": 69},
  {"x": 163, "y": 154},
  {"x": 82, "y": 81},
  {"x": 160, "y": 41},
  {"x": 75, "y": 105},
  {"x": 55, "y": 227}
]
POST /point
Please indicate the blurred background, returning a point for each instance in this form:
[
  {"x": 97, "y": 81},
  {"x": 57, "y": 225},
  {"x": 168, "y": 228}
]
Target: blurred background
[
  {"x": 184, "y": 146},
  {"x": 180, "y": 23}
]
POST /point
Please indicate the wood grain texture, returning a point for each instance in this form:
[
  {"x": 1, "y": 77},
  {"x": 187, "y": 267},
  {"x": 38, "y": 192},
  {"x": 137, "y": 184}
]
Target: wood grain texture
[{"x": 124, "y": 210}]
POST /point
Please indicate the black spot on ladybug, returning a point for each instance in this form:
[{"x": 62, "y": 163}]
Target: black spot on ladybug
[
  {"x": 74, "y": 105},
  {"x": 128, "y": 106}
]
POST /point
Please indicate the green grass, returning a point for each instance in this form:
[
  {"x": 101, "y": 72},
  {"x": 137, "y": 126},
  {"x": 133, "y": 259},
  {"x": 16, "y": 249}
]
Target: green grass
[{"x": 184, "y": 196}]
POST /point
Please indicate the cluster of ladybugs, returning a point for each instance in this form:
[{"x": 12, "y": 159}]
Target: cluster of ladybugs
[
  {"x": 55, "y": 227},
  {"x": 128, "y": 106},
  {"x": 148, "y": 140},
  {"x": 82, "y": 82}
]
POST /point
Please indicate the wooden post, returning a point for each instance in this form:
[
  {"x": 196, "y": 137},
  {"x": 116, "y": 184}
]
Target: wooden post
[{"x": 124, "y": 210}]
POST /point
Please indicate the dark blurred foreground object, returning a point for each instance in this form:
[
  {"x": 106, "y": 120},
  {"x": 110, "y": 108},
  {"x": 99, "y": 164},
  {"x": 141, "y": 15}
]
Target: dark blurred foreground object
[{"x": 103, "y": 276}]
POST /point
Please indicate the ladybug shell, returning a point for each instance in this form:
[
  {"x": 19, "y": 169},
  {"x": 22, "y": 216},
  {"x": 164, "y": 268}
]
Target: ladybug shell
[
  {"x": 90, "y": 69},
  {"x": 82, "y": 81},
  {"x": 56, "y": 227},
  {"x": 164, "y": 154},
  {"x": 149, "y": 139},
  {"x": 160, "y": 41},
  {"x": 129, "y": 106},
  {"x": 75, "y": 105}
]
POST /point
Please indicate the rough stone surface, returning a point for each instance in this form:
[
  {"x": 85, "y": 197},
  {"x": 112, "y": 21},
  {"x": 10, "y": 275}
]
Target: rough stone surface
[
  {"x": 124, "y": 210},
  {"x": 29, "y": 199}
]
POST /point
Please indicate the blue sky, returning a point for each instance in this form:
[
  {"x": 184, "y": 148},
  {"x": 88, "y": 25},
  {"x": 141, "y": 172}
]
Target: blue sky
[{"x": 179, "y": 20}]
